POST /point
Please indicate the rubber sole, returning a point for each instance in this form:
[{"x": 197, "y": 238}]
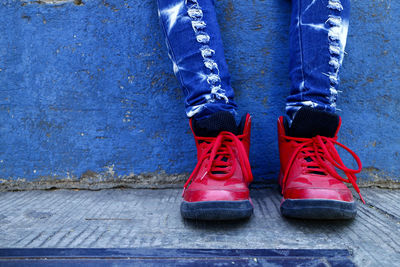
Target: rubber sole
[
  {"x": 321, "y": 209},
  {"x": 216, "y": 210}
]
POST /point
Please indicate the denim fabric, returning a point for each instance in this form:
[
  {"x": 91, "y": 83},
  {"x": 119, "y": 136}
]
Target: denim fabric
[
  {"x": 318, "y": 33},
  {"x": 195, "y": 48}
]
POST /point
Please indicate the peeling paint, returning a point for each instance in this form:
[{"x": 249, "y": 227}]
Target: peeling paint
[
  {"x": 53, "y": 2},
  {"x": 91, "y": 180}
]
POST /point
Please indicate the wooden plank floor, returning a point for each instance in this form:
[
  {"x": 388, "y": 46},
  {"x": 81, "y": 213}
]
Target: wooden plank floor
[{"x": 132, "y": 218}]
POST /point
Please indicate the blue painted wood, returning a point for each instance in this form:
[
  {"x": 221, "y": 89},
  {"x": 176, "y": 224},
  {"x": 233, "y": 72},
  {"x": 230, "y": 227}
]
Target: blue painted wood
[
  {"x": 8, "y": 253},
  {"x": 173, "y": 257},
  {"x": 88, "y": 88},
  {"x": 179, "y": 262}
]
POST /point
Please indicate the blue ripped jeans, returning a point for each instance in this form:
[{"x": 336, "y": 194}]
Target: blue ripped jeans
[{"x": 318, "y": 33}]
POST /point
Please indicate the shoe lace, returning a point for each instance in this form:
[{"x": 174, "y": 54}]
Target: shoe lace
[
  {"x": 219, "y": 154},
  {"x": 320, "y": 150}
]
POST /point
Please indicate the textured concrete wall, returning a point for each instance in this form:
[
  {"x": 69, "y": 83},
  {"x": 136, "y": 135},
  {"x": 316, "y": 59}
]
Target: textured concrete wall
[{"x": 87, "y": 90}]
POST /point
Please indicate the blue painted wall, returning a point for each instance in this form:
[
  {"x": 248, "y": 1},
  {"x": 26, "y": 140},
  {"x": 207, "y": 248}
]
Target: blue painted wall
[{"x": 88, "y": 88}]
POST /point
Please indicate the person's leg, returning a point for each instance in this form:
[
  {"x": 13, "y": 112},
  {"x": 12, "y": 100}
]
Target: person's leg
[
  {"x": 218, "y": 187},
  {"x": 195, "y": 47},
  {"x": 311, "y": 187},
  {"x": 318, "y": 33}
]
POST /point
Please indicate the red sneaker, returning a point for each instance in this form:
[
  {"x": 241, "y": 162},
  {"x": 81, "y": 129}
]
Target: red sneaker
[
  {"x": 218, "y": 189},
  {"x": 311, "y": 187}
]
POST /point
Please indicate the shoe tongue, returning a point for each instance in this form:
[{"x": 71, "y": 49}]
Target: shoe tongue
[
  {"x": 216, "y": 123},
  {"x": 309, "y": 122}
]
